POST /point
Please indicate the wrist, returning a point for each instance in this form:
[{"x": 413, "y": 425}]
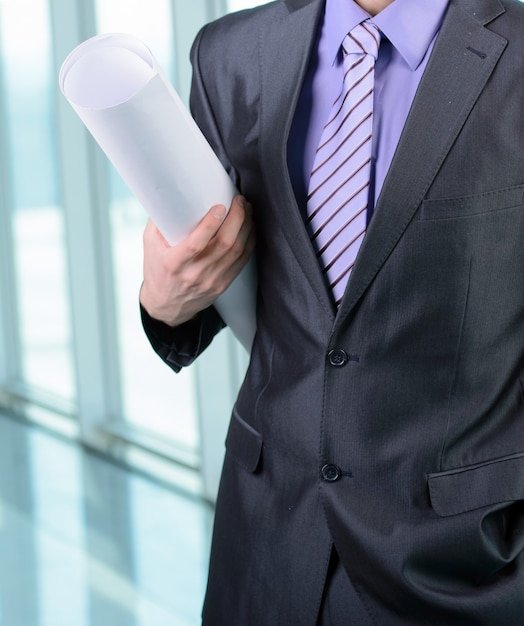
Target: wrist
[{"x": 160, "y": 312}]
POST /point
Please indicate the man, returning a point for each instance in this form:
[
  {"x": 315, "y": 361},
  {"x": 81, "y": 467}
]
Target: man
[{"x": 374, "y": 471}]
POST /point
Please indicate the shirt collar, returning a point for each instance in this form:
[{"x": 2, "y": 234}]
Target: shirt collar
[{"x": 410, "y": 25}]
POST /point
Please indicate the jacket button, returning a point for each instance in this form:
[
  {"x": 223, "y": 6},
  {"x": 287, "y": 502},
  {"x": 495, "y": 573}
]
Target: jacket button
[
  {"x": 330, "y": 473},
  {"x": 338, "y": 358}
]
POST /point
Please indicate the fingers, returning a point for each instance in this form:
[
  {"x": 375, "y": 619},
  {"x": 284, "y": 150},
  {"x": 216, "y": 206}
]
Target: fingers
[
  {"x": 233, "y": 234},
  {"x": 183, "y": 279},
  {"x": 198, "y": 240},
  {"x": 222, "y": 235}
]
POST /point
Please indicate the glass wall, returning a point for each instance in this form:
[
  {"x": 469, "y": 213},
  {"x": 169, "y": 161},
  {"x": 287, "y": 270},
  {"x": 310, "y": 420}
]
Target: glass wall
[
  {"x": 154, "y": 400},
  {"x": 36, "y": 219},
  {"x": 71, "y": 345},
  {"x": 237, "y": 5}
]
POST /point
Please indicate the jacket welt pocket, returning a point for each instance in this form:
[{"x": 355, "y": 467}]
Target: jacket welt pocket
[
  {"x": 475, "y": 486},
  {"x": 465, "y": 206},
  {"x": 243, "y": 443}
]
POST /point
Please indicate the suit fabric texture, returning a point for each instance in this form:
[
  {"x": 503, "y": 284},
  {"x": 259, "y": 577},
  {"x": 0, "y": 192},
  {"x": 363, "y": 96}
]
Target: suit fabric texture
[{"x": 412, "y": 394}]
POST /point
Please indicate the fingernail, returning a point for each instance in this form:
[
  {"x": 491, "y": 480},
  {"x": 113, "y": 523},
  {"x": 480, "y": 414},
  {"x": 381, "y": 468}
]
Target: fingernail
[{"x": 219, "y": 212}]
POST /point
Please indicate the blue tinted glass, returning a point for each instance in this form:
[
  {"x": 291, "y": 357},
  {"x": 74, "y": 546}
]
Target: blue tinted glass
[{"x": 37, "y": 219}]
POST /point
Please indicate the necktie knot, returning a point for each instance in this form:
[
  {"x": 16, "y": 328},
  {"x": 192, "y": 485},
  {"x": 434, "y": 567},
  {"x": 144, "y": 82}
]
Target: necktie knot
[{"x": 363, "y": 39}]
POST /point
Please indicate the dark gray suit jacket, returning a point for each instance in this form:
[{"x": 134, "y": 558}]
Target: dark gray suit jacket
[{"x": 413, "y": 394}]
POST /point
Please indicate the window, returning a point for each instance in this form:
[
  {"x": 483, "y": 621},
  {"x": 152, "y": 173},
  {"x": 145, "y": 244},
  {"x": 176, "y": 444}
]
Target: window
[
  {"x": 34, "y": 218},
  {"x": 72, "y": 351}
]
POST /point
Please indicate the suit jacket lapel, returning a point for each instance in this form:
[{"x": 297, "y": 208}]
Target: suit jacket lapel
[
  {"x": 463, "y": 59},
  {"x": 285, "y": 50}
]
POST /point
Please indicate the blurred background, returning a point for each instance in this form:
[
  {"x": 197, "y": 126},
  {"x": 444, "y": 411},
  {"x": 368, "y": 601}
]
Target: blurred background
[{"x": 109, "y": 462}]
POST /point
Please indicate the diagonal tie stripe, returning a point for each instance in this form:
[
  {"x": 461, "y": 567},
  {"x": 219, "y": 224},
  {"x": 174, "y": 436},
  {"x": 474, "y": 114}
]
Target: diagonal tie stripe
[
  {"x": 339, "y": 147},
  {"x": 339, "y": 183},
  {"x": 340, "y": 186},
  {"x": 347, "y": 113}
]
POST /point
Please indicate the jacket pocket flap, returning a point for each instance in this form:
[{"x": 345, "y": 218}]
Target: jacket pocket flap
[
  {"x": 465, "y": 206},
  {"x": 475, "y": 486},
  {"x": 243, "y": 443}
]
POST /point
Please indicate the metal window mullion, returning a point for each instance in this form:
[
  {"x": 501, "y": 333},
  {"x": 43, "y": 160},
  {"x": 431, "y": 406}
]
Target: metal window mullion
[
  {"x": 188, "y": 18},
  {"x": 217, "y": 8},
  {"x": 10, "y": 343},
  {"x": 85, "y": 198}
]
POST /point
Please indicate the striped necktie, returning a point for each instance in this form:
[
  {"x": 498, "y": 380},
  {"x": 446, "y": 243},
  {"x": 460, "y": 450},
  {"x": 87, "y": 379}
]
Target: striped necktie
[{"x": 339, "y": 184}]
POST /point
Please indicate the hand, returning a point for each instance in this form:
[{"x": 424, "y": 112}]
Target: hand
[{"x": 181, "y": 280}]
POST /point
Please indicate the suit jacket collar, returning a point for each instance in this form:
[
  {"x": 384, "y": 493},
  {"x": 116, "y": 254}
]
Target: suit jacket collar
[
  {"x": 462, "y": 61},
  {"x": 483, "y": 10},
  {"x": 285, "y": 50},
  {"x": 294, "y": 5}
]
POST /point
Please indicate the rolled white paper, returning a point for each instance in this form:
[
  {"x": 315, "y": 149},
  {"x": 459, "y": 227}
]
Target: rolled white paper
[{"x": 120, "y": 93}]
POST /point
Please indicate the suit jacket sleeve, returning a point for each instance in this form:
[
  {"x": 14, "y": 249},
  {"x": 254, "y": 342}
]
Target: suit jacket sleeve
[{"x": 179, "y": 346}]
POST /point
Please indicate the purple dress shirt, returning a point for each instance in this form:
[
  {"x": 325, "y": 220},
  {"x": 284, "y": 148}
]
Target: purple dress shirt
[{"x": 409, "y": 29}]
